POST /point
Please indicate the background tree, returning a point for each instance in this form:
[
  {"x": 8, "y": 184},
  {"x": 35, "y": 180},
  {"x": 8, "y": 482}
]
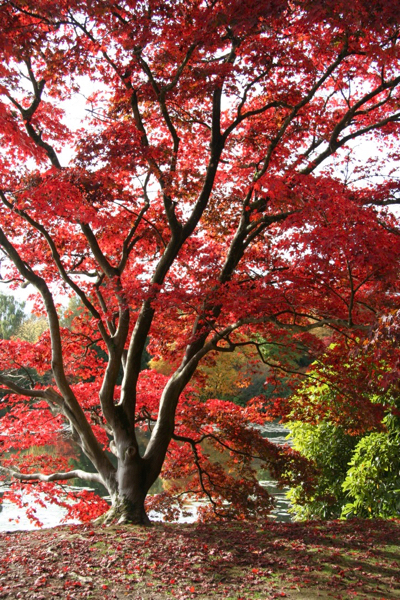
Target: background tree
[
  {"x": 32, "y": 328},
  {"x": 213, "y": 197},
  {"x": 12, "y": 318},
  {"x": 12, "y": 315},
  {"x": 358, "y": 475},
  {"x": 235, "y": 376},
  {"x": 373, "y": 479}
]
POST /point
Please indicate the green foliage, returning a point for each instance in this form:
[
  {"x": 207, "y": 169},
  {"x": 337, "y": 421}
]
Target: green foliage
[
  {"x": 359, "y": 476},
  {"x": 32, "y": 328},
  {"x": 11, "y": 316},
  {"x": 353, "y": 438},
  {"x": 373, "y": 479},
  {"x": 331, "y": 449}
]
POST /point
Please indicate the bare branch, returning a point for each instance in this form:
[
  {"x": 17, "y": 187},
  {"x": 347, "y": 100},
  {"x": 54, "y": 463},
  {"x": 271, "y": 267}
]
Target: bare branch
[
  {"x": 76, "y": 474},
  {"x": 16, "y": 389}
]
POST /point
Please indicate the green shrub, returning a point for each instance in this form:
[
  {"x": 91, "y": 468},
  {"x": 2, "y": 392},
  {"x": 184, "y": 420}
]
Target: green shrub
[
  {"x": 373, "y": 479},
  {"x": 331, "y": 449}
]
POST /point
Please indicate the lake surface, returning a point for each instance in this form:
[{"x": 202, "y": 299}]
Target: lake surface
[{"x": 13, "y": 518}]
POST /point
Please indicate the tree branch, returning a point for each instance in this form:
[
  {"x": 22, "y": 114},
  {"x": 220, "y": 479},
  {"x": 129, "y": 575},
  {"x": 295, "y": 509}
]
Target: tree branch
[
  {"x": 58, "y": 263},
  {"x": 76, "y": 474},
  {"x": 29, "y": 392},
  {"x": 89, "y": 443}
]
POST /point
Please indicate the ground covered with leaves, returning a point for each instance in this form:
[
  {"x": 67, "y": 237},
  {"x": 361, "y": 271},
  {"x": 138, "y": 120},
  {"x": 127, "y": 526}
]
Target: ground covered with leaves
[{"x": 349, "y": 559}]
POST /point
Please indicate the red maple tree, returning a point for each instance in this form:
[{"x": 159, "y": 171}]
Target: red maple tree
[{"x": 214, "y": 197}]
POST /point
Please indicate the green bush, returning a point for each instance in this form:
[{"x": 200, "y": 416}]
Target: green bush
[
  {"x": 373, "y": 480},
  {"x": 331, "y": 449},
  {"x": 359, "y": 476}
]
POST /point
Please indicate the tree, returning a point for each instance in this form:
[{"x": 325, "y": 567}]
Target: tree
[
  {"x": 214, "y": 198},
  {"x": 373, "y": 479},
  {"x": 32, "y": 328},
  {"x": 11, "y": 316}
]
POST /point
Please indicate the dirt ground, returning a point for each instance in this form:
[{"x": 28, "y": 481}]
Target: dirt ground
[{"x": 308, "y": 561}]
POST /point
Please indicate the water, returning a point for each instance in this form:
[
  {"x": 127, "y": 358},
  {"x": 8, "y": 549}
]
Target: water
[
  {"x": 13, "y": 518},
  {"x": 276, "y": 433}
]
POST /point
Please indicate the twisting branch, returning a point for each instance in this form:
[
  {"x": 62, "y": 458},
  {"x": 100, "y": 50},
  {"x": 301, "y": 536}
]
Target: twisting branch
[
  {"x": 130, "y": 240},
  {"x": 147, "y": 221},
  {"x": 113, "y": 274},
  {"x": 296, "y": 109},
  {"x": 347, "y": 120},
  {"x": 74, "y": 411},
  {"x": 161, "y": 94},
  {"x": 102, "y": 260},
  {"x": 27, "y": 114}
]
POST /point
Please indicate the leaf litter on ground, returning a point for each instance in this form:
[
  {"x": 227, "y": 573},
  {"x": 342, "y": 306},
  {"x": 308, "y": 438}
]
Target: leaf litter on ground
[{"x": 356, "y": 559}]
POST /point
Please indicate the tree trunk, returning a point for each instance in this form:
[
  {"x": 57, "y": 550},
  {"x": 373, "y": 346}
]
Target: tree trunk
[
  {"x": 133, "y": 483},
  {"x": 125, "y": 510}
]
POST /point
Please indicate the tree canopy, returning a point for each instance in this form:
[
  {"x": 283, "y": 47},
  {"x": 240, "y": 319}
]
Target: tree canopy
[{"x": 214, "y": 197}]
